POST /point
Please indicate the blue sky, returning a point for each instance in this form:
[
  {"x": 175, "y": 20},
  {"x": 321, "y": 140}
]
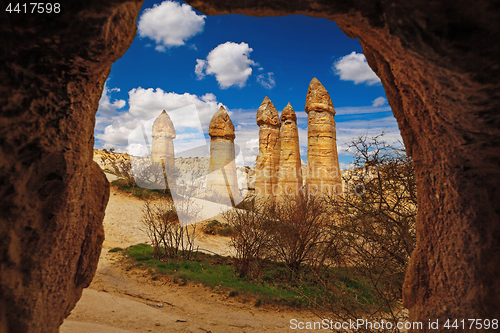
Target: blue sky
[{"x": 183, "y": 58}]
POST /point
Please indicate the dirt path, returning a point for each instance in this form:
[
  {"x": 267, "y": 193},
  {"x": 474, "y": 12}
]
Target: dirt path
[{"x": 121, "y": 300}]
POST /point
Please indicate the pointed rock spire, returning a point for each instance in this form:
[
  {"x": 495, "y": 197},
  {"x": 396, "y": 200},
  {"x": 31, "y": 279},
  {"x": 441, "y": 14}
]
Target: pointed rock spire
[
  {"x": 268, "y": 160},
  {"x": 288, "y": 114},
  {"x": 222, "y": 184},
  {"x": 163, "y": 126},
  {"x": 318, "y": 98},
  {"x": 267, "y": 113},
  {"x": 221, "y": 125},
  {"x": 290, "y": 175},
  {"x": 323, "y": 172}
]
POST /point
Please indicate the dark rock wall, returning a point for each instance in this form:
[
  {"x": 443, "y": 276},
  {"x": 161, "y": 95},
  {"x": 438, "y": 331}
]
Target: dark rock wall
[
  {"x": 439, "y": 64},
  {"x": 53, "y": 196},
  {"x": 438, "y": 61}
]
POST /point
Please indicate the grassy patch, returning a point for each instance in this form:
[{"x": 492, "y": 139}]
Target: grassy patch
[
  {"x": 139, "y": 192},
  {"x": 214, "y": 227},
  {"x": 116, "y": 249},
  {"x": 276, "y": 285}
]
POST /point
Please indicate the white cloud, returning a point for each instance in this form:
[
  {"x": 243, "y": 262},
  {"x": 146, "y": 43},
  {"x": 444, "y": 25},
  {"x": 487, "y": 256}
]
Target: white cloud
[
  {"x": 146, "y": 104},
  {"x": 170, "y": 24},
  {"x": 379, "y": 101},
  {"x": 200, "y": 67},
  {"x": 229, "y": 62},
  {"x": 354, "y": 67},
  {"x": 106, "y": 107},
  {"x": 267, "y": 80}
]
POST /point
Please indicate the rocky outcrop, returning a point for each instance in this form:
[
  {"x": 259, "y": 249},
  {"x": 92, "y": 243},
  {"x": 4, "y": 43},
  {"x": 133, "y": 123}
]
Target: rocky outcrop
[
  {"x": 323, "y": 171},
  {"x": 222, "y": 183},
  {"x": 53, "y": 68},
  {"x": 162, "y": 149},
  {"x": 290, "y": 169},
  {"x": 439, "y": 64},
  {"x": 163, "y": 134},
  {"x": 268, "y": 159}
]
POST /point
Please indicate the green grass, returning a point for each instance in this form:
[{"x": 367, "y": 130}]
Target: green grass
[
  {"x": 116, "y": 249},
  {"x": 277, "y": 284},
  {"x": 139, "y": 192}
]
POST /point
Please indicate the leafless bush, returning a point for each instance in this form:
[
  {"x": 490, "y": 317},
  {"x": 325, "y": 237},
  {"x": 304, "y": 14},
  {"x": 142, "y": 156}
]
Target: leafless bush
[
  {"x": 168, "y": 237},
  {"x": 170, "y": 223},
  {"x": 251, "y": 237},
  {"x": 301, "y": 232}
]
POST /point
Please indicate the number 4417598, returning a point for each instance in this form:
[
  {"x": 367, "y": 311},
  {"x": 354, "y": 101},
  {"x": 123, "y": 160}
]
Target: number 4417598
[
  {"x": 34, "y": 8},
  {"x": 472, "y": 324}
]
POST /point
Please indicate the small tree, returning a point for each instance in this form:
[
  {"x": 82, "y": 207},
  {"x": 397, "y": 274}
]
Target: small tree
[
  {"x": 300, "y": 230},
  {"x": 251, "y": 236}
]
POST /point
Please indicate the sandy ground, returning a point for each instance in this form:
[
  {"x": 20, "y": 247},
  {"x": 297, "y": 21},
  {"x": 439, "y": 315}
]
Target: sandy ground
[{"x": 124, "y": 299}]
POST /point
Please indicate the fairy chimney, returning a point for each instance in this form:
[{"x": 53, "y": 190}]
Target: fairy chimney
[
  {"x": 163, "y": 144},
  {"x": 268, "y": 160},
  {"x": 323, "y": 171},
  {"x": 290, "y": 173},
  {"x": 222, "y": 183}
]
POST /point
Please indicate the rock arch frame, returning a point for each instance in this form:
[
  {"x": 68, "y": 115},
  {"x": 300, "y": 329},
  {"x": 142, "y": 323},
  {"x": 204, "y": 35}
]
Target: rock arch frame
[{"x": 437, "y": 60}]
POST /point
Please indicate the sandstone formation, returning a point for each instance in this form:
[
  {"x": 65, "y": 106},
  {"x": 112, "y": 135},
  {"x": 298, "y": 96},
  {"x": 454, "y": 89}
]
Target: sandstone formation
[
  {"x": 162, "y": 150},
  {"x": 53, "y": 68},
  {"x": 163, "y": 140},
  {"x": 323, "y": 171},
  {"x": 268, "y": 159},
  {"x": 438, "y": 62},
  {"x": 290, "y": 170},
  {"x": 222, "y": 183}
]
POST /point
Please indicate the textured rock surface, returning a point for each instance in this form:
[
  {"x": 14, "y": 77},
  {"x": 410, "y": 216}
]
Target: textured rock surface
[
  {"x": 222, "y": 182},
  {"x": 163, "y": 134},
  {"x": 53, "y": 196},
  {"x": 162, "y": 148},
  {"x": 268, "y": 159},
  {"x": 323, "y": 171},
  {"x": 439, "y": 64},
  {"x": 290, "y": 169}
]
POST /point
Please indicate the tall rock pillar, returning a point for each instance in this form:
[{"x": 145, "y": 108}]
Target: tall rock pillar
[
  {"x": 268, "y": 160},
  {"x": 222, "y": 183},
  {"x": 163, "y": 146},
  {"x": 290, "y": 172},
  {"x": 323, "y": 171}
]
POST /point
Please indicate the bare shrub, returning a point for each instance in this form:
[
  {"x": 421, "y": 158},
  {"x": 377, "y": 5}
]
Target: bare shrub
[
  {"x": 250, "y": 238},
  {"x": 300, "y": 231},
  {"x": 168, "y": 237},
  {"x": 377, "y": 224}
]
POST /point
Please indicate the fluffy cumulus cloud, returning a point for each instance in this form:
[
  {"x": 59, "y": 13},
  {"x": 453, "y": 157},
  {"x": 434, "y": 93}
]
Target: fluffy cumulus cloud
[
  {"x": 145, "y": 105},
  {"x": 354, "y": 67},
  {"x": 379, "y": 101},
  {"x": 106, "y": 106},
  {"x": 229, "y": 62},
  {"x": 170, "y": 24},
  {"x": 267, "y": 80}
]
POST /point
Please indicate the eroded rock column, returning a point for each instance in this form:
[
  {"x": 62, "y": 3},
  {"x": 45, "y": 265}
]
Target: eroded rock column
[
  {"x": 290, "y": 170},
  {"x": 162, "y": 151},
  {"x": 323, "y": 171},
  {"x": 222, "y": 183},
  {"x": 268, "y": 160}
]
